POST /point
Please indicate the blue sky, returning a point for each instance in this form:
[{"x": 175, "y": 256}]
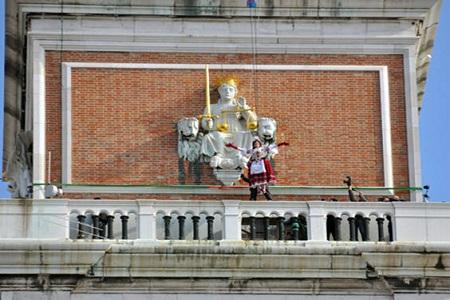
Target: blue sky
[
  {"x": 434, "y": 118},
  {"x": 435, "y": 115}
]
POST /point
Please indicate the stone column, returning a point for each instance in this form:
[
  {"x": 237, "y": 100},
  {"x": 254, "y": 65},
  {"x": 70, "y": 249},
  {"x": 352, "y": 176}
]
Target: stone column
[
  {"x": 380, "y": 223},
  {"x": 81, "y": 227},
  {"x": 195, "y": 220},
  {"x": 167, "y": 227},
  {"x": 266, "y": 228},
  {"x": 337, "y": 228},
  {"x": 110, "y": 224},
  {"x": 295, "y": 227},
  {"x": 352, "y": 228},
  {"x": 281, "y": 230},
  {"x": 102, "y": 226},
  {"x": 390, "y": 229},
  {"x": 367, "y": 229},
  {"x": 210, "y": 221},
  {"x": 181, "y": 220},
  {"x": 95, "y": 227},
  {"x": 252, "y": 228},
  {"x": 124, "y": 227},
  {"x": 330, "y": 227}
]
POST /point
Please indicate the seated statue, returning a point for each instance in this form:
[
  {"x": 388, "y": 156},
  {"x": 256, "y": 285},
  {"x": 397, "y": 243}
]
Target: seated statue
[{"x": 229, "y": 121}]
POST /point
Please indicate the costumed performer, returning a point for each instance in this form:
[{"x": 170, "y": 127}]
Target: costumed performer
[{"x": 260, "y": 171}]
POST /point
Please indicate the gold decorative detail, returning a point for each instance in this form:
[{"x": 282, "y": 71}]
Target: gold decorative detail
[
  {"x": 228, "y": 79},
  {"x": 252, "y": 125},
  {"x": 222, "y": 127},
  {"x": 208, "y": 100}
]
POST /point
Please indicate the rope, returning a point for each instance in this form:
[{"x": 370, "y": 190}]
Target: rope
[
  {"x": 76, "y": 228},
  {"x": 254, "y": 37}
]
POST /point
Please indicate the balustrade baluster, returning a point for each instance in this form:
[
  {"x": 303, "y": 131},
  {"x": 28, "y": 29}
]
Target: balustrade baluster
[
  {"x": 110, "y": 222},
  {"x": 366, "y": 236},
  {"x": 124, "y": 227},
  {"x": 330, "y": 227},
  {"x": 167, "y": 227},
  {"x": 266, "y": 228},
  {"x": 380, "y": 224},
  {"x": 252, "y": 228},
  {"x": 81, "y": 227},
  {"x": 352, "y": 227},
  {"x": 303, "y": 228},
  {"x": 210, "y": 221},
  {"x": 95, "y": 226},
  {"x": 181, "y": 220},
  {"x": 390, "y": 231},
  {"x": 195, "y": 220},
  {"x": 102, "y": 225},
  {"x": 295, "y": 228},
  {"x": 337, "y": 228},
  {"x": 281, "y": 229}
]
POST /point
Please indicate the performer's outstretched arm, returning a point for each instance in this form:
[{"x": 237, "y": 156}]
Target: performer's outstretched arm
[
  {"x": 230, "y": 145},
  {"x": 283, "y": 144}
]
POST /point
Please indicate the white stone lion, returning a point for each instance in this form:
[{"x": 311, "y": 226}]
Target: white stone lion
[
  {"x": 267, "y": 127},
  {"x": 189, "y": 139},
  {"x": 18, "y": 168}
]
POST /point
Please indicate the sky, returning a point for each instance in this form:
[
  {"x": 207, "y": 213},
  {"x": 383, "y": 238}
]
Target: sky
[{"x": 434, "y": 117}]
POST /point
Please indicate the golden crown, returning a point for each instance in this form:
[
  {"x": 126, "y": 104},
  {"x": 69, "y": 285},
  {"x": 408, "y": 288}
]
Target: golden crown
[{"x": 228, "y": 79}]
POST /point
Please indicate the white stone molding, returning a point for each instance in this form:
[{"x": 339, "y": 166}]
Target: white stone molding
[
  {"x": 66, "y": 107},
  {"x": 36, "y": 95},
  {"x": 162, "y": 34},
  {"x": 412, "y": 124},
  {"x": 386, "y": 127},
  {"x": 386, "y": 9}
]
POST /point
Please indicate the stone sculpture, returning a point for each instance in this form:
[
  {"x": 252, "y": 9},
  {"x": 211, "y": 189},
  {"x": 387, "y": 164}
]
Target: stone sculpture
[
  {"x": 229, "y": 121},
  {"x": 189, "y": 139},
  {"x": 18, "y": 168}
]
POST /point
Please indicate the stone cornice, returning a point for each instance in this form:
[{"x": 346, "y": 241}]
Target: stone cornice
[
  {"x": 213, "y": 266},
  {"x": 415, "y": 9}
]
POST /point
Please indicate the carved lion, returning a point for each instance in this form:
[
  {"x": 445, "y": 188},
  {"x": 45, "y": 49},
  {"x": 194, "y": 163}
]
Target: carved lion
[
  {"x": 18, "y": 168},
  {"x": 189, "y": 139},
  {"x": 267, "y": 128}
]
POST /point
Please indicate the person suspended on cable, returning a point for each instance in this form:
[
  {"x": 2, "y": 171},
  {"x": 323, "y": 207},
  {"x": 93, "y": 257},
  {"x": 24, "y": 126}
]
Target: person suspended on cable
[{"x": 260, "y": 171}]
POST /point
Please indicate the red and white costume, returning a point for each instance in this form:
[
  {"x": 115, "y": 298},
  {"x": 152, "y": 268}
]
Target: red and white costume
[{"x": 260, "y": 171}]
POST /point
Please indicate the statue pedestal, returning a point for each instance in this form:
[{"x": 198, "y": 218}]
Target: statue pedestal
[{"x": 227, "y": 177}]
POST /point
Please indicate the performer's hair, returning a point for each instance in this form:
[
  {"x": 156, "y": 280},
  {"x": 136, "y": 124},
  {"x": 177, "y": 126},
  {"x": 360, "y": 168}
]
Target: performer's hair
[{"x": 256, "y": 141}]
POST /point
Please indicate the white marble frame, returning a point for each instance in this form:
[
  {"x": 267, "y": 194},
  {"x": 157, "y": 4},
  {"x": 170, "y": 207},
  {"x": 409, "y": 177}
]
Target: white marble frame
[
  {"x": 50, "y": 40},
  {"x": 67, "y": 123}
]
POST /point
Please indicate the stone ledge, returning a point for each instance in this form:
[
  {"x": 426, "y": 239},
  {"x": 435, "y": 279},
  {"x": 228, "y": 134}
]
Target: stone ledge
[{"x": 228, "y": 267}]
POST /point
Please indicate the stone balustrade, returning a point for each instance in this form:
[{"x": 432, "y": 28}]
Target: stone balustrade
[{"x": 224, "y": 220}]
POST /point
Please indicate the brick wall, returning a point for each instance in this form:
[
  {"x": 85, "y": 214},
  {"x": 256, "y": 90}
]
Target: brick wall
[{"x": 123, "y": 120}]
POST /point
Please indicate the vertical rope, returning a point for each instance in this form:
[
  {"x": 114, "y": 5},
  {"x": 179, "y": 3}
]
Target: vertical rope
[
  {"x": 61, "y": 34},
  {"x": 254, "y": 37}
]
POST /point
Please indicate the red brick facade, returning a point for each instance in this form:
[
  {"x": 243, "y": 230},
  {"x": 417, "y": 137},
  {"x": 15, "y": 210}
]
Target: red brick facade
[{"x": 123, "y": 120}]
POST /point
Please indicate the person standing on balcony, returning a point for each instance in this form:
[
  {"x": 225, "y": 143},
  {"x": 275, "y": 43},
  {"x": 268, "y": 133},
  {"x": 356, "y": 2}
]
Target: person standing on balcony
[{"x": 260, "y": 171}]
